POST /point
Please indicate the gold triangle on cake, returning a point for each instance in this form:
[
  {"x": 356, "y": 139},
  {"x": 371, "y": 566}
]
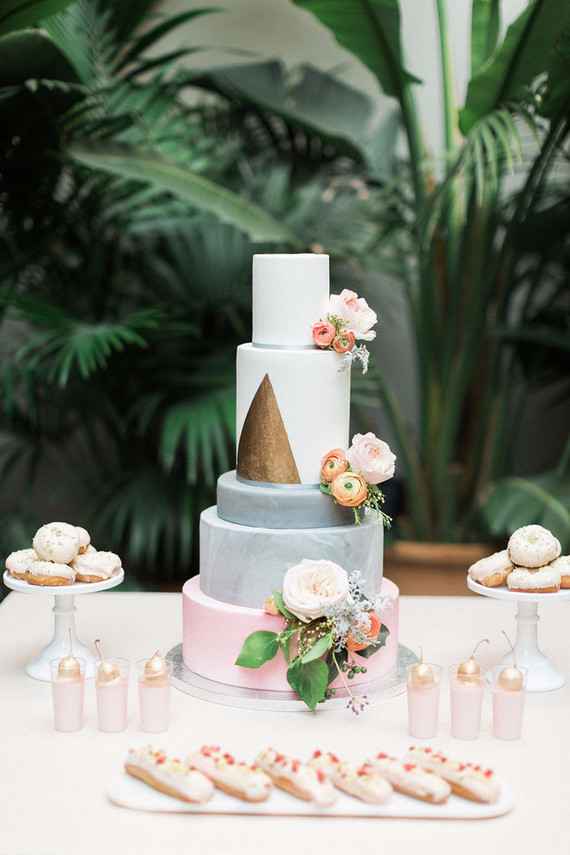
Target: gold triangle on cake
[{"x": 264, "y": 453}]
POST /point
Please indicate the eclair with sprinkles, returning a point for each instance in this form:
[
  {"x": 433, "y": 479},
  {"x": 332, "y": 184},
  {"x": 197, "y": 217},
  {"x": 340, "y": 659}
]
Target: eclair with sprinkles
[
  {"x": 168, "y": 775},
  {"x": 468, "y": 780},
  {"x": 242, "y": 780},
  {"x": 410, "y": 779},
  {"x": 299, "y": 779},
  {"x": 361, "y": 782}
]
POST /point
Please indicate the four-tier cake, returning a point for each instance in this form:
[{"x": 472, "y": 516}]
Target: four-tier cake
[{"x": 293, "y": 406}]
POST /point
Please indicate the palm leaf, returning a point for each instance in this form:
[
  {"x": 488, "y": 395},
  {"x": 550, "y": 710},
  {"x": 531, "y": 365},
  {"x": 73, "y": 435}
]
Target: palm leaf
[
  {"x": 153, "y": 34},
  {"x": 485, "y": 28},
  {"x": 18, "y": 14},
  {"x": 200, "y": 192},
  {"x": 522, "y": 56}
]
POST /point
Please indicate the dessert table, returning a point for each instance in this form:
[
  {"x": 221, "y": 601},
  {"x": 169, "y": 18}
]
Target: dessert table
[{"x": 53, "y": 785}]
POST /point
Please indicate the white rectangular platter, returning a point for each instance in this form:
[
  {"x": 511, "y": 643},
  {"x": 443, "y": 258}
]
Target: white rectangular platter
[{"x": 131, "y": 793}]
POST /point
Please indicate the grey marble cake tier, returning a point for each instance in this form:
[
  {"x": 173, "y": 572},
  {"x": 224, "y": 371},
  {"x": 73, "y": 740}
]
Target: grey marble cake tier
[
  {"x": 288, "y": 506},
  {"x": 243, "y": 565}
]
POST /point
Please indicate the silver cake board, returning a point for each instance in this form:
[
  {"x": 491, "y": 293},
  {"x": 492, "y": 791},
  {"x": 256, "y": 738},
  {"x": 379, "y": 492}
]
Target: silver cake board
[{"x": 382, "y": 689}]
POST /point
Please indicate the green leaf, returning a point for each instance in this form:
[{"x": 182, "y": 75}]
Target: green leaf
[
  {"x": 18, "y": 14},
  {"x": 258, "y": 648},
  {"x": 29, "y": 54},
  {"x": 485, "y": 28},
  {"x": 282, "y": 608},
  {"x": 544, "y": 499},
  {"x": 370, "y": 29},
  {"x": 380, "y": 643},
  {"x": 309, "y": 681},
  {"x": 200, "y": 192},
  {"x": 284, "y": 641},
  {"x": 154, "y": 34},
  {"x": 318, "y": 649},
  {"x": 523, "y": 55}
]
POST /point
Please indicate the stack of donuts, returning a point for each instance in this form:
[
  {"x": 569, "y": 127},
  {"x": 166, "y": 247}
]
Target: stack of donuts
[
  {"x": 530, "y": 564},
  {"x": 62, "y": 554}
]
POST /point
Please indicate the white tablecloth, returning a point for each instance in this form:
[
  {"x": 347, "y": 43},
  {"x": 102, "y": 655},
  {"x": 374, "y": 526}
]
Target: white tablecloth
[{"x": 52, "y": 785}]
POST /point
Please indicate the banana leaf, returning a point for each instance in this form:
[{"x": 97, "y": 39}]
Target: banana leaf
[
  {"x": 524, "y": 54},
  {"x": 370, "y": 29},
  {"x": 31, "y": 54},
  {"x": 485, "y": 28},
  {"x": 18, "y": 14},
  {"x": 206, "y": 195}
]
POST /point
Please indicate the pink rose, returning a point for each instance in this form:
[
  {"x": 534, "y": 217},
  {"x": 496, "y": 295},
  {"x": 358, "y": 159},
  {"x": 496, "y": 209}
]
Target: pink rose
[
  {"x": 344, "y": 342},
  {"x": 350, "y": 489},
  {"x": 323, "y": 333},
  {"x": 334, "y": 463},
  {"x": 356, "y": 312},
  {"x": 371, "y": 457}
]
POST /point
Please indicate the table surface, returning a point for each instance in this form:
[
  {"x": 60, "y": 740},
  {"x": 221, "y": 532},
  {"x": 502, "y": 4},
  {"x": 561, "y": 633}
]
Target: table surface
[{"x": 52, "y": 785}]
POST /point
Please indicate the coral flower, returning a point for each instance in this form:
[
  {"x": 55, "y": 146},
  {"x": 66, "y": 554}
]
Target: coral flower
[
  {"x": 334, "y": 463},
  {"x": 371, "y": 632},
  {"x": 350, "y": 489},
  {"x": 323, "y": 333},
  {"x": 344, "y": 342}
]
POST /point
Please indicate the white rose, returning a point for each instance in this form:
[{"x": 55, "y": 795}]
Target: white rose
[
  {"x": 311, "y": 587},
  {"x": 371, "y": 457},
  {"x": 360, "y": 318}
]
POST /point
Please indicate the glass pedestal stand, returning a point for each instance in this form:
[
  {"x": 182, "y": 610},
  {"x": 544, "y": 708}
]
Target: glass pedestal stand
[
  {"x": 63, "y": 623},
  {"x": 542, "y": 676}
]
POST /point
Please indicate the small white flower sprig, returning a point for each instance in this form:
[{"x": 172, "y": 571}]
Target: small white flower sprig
[
  {"x": 351, "y": 477},
  {"x": 349, "y": 317},
  {"x": 327, "y": 619}
]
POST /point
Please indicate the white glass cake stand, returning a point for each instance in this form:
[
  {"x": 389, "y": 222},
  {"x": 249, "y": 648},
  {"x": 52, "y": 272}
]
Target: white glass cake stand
[
  {"x": 542, "y": 676},
  {"x": 64, "y": 621}
]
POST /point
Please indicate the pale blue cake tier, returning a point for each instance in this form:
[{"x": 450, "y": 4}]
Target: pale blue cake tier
[
  {"x": 243, "y": 565},
  {"x": 289, "y": 506}
]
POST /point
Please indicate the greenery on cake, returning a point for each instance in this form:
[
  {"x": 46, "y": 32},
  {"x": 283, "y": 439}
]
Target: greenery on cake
[
  {"x": 327, "y": 619},
  {"x": 351, "y": 478}
]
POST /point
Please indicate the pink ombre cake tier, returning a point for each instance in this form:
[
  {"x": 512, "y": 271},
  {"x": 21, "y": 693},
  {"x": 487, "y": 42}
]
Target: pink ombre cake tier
[{"x": 213, "y": 634}]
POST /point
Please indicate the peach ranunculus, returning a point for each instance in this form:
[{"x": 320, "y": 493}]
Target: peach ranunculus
[
  {"x": 350, "y": 489},
  {"x": 334, "y": 463},
  {"x": 372, "y": 457},
  {"x": 323, "y": 333},
  {"x": 370, "y": 632},
  {"x": 269, "y": 607},
  {"x": 356, "y": 313},
  {"x": 344, "y": 342}
]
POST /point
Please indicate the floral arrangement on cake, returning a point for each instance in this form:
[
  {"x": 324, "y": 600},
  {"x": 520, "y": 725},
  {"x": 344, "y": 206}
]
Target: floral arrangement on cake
[
  {"x": 349, "y": 318},
  {"x": 327, "y": 619},
  {"x": 351, "y": 478}
]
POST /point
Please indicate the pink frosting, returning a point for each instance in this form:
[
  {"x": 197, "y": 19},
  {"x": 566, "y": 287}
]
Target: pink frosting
[{"x": 213, "y": 634}]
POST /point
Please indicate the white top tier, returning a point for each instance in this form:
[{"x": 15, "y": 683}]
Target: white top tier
[{"x": 290, "y": 293}]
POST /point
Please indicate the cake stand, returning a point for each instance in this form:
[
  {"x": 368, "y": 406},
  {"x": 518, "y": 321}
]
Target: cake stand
[
  {"x": 542, "y": 676},
  {"x": 381, "y": 689},
  {"x": 64, "y": 621}
]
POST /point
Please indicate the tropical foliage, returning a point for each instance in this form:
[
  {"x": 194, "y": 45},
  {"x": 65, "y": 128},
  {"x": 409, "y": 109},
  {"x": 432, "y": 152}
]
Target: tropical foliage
[{"x": 481, "y": 250}]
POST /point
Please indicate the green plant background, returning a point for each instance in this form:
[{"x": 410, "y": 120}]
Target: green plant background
[{"x": 134, "y": 189}]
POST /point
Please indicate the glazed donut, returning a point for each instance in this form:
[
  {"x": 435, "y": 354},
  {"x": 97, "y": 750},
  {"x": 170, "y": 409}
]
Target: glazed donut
[
  {"x": 563, "y": 565},
  {"x": 541, "y": 580},
  {"x": 84, "y": 539},
  {"x": 362, "y": 782},
  {"x": 18, "y": 563},
  {"x": 57, "y": 542},
  {"x": 50, "y": 573},
  {"x": 168, "y": 775},
  {"x": 298, "y": 779},
  {"x": 465, "y": 779},
  {"x": 410, "y": 779},
  {"x": 533, "y": 546},
  {"x": 241, "y": 780},
  {"x": 493, "y": 570},
  {"x": 96, "y": 566}
]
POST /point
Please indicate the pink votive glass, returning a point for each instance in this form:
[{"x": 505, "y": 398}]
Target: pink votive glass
[
  {"x": 112, "y": 696},
  {"x": 423, "y": 702},
  {"x": 508, "y": 709},
  {"x": 466, "y": 696},
  {"x": 154, "y": 699},
  {"x": 68, "y": 693}
]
